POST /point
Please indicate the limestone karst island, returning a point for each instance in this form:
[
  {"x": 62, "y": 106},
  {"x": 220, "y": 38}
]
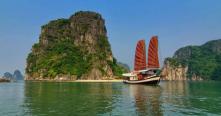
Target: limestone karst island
[
  {"x": 74, "y": 48},
  {"x": 201, "y": 62},
  {"x": 110, "y": 58}
]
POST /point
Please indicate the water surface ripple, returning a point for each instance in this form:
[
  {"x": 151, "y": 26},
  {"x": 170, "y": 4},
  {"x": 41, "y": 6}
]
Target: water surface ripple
[{"x": 55, "y": 99}]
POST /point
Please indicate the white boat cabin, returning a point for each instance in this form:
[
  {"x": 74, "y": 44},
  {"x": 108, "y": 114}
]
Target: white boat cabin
[{"x": 144, "y": 74}]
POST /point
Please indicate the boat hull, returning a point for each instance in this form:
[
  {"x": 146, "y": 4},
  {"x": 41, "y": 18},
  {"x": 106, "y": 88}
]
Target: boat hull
[{"x": 151, "y": 81}]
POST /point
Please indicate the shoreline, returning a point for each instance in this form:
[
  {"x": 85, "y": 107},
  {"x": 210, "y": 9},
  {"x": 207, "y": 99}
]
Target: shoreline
[
  {"x": 3, "y": 80},
  {"x": 99, "y": 81},
  {"x": 80, "y": 81}
]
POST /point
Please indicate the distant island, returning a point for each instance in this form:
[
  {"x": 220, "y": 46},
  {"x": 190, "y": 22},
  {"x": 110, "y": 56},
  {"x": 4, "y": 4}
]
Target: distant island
[
  {"x": 7, "y": 77},
  {"x": 74, "y": 48},
  {"x": 195, "y": 63}
]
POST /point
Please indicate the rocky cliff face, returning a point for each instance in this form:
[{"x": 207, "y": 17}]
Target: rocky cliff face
[
  {"x": 194, "y": 63},
  {"x": 170, "y": 72},
  {"x": 74, "y": 48}
]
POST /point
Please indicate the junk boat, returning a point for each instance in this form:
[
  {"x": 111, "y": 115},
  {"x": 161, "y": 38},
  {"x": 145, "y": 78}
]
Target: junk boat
[{"x": 145, "y": 72}]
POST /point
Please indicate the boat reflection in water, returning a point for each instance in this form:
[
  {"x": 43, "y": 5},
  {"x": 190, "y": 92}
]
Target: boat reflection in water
[
  {"x": 146, "y": 99},
  {"x": 89, "y": 99}
]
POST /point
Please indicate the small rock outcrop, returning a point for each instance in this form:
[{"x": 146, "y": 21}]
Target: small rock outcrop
[
  {"x": 74, "y": 48},
  {"x": 4, "y": 80}
]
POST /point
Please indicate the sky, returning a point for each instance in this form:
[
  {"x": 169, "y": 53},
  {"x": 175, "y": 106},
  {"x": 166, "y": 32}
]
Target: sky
[{"x": 177, "y": 23}]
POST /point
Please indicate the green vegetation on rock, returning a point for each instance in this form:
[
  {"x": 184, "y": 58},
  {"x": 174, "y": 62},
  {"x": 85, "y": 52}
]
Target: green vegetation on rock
[
  {"x": 62, "y": 58},
  {"x": 202, "y": 61},
  {"x": 75, "y": 47},
  {"x": 118, "y": 68}
]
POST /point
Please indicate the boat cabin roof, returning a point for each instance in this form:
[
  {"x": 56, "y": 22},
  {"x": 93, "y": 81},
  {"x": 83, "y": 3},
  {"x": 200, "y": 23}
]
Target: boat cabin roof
[
  {"x": 131, "y": 74},
  {"x": 134, "y": 73}
]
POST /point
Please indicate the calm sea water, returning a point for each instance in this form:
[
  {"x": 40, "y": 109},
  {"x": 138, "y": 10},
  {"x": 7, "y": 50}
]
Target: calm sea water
[{"x": 88, "y": 99}]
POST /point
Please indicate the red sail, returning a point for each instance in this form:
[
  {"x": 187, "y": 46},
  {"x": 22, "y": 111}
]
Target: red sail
[
  {"x": 153, "y": 61},
  {"x": 140, "y": 56}
]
